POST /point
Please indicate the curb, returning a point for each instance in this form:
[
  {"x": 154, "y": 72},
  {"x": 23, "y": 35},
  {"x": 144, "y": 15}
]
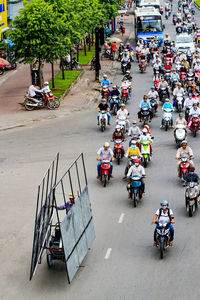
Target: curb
[
  {"x": 72, "y": 85},
  {"x": 196, "y": 6}
]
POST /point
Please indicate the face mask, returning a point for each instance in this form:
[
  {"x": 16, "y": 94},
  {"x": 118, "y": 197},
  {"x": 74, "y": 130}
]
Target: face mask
[
  {"x": 133, "y": 147},
  {"x": 164, "y": 207},
  {"x": 137, "y": 164},
  {"x": 118, "y": 130},
  {"x": 134, "y": 125}
]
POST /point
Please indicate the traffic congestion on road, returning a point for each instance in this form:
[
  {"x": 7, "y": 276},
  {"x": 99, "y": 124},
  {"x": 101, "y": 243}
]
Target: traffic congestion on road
[{"x": 141, "y": 145}]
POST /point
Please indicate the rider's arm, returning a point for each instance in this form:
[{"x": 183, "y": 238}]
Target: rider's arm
[
  {"x": 172, "y": 219},
  {"x": 154, "y": 219},
  {"x": 129, "y": 172}
]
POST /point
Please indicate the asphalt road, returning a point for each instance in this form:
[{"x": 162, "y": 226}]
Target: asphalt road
[{"x": 133, "y": 269}]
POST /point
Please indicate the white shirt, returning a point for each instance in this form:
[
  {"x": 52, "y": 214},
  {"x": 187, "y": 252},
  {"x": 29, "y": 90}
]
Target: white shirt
[
  {"x": 137, "y": 171},
  {"x": 134, "y": 131},
  {"x": 197, "y": 68},
  {"x": 153, "y": 94},
  {"x": 46, "y": 89},
  {"x": 122, "y": 114},
  {"x": 189, "y": 102},
  {"x": 139, "y": 48},
  {"x": 195, "y": 112},
  {"x": 105, "y": 154},
  {"x": 32, "y": 91},
  {"x": 164, "y": 217},
  {"x": 155, "y": 59},
  {"x": 178, "y": 92},
  {"x": 180, "y": 122}
]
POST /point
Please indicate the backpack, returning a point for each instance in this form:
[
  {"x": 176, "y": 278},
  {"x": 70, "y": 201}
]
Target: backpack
[{"x": 160, "y": 210}]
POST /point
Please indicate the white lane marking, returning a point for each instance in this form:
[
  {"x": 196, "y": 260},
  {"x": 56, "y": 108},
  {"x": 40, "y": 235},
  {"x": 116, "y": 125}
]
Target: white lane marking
[
  {"x": 108, "y": 253},
  {"x": 121, "y": 218}
]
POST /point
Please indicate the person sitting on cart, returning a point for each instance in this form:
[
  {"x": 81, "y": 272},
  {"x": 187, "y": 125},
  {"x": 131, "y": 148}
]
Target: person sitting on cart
[{"x": 67, "y": 205}]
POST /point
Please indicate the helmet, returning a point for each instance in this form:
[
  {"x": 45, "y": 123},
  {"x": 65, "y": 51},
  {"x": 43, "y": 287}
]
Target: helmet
[
  {"x": 106, "y": 144},
  {"x": 194, "y": 85},
  {"x": 137, "y": 161},
  {"x": 118, "y": 127},
  {"x": 134, "y": 122},
  {"x": 145, "y": 97},
  {"x": 122, "y": 105},
  {"x": 166, "y": 100},
  {"x": 152, "y": 87},
  {"x": 133, "y": 142},
  {"x": 179, "y": 83},
  {"x": 181, "y": 115},
  {"x": 128, "y": 44},
  {"x": 126, "y": 51},
  {"x": 128, "y": 72},
  {"x": 105, "y": 76},
  {"x": 124, "y": 78},
  {"x": 144, "y": 130},
  {"x": 46, "y": 82},
  {"x": 151, "y": 41},
  {"x": 184, "y": 142},
  {"x": 164, "y": 203},
  {"x": 103, "y": 100},
  {"x": 146, "y": 126},
  {"x": 114, "y": 87}
]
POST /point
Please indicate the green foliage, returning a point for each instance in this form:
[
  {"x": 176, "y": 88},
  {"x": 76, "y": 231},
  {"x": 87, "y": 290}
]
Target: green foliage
[
  {"x": 62, "y": 85},
  {"x": 86, "y": 59},
  {"x": 197, "y": 2}
]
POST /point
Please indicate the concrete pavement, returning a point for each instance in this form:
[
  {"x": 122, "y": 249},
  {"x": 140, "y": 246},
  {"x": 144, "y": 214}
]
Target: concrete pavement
[{"x": 133, "y": 270}]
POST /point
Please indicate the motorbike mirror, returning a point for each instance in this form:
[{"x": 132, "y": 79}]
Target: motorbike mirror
[{"x": 152, "y": 137}]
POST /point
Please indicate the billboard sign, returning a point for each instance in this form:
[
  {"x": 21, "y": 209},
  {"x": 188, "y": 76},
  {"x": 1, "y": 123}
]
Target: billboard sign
[{"x": 3, "y": 15}]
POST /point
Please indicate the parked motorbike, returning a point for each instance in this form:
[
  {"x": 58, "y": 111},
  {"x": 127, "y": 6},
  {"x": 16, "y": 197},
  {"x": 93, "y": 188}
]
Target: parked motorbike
[
  {"x": 47, "y": 100},
  {"x": 191, "y": 198},
  {"x": 105, "y": 172},
  {"x": 118, "y": 150},
  {"x": 162, "y": 237},
  {"x": 103, "y": 120},
  {"x": 179, "y": 134}
]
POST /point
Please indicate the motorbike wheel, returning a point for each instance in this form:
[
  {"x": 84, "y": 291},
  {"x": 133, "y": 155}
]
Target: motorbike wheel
[
  {"x": 27, "y": 107},
  {"x": 142, "y": 70},
  {"x": 194, "y": 132},
  {"x": 102, "y": 56},
  {"x": 145, "y": 163},
  {"x": 49, "y": 261},
  {"x": 161, "y": 250},
  {"x": 102, "y": 127},
  {"x": 118, "y": 160},
  {"x": 115, "y": 109},
  {"x": 123, "y": 99},
  {"x": 166, "y": 127},
  {"x": 190, "y": 211},
  {"x": 53, "y": 104},
  {"x": 104, "y": 180}
]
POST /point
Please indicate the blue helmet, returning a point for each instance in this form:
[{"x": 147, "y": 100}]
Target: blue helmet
[
  {"x": 153, "y": 87},
  {"x": 164, "y": 202}
]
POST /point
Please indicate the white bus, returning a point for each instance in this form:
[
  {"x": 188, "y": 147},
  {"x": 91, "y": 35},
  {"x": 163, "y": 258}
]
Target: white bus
[
  {"x": 150, "y": 3},
  {"x": 148, "y": 23}
]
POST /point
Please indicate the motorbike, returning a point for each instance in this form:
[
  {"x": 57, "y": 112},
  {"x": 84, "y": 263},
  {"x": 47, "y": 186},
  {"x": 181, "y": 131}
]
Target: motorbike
[
  {"x": 124, "y": 67},
  {"x": 167, "y": 75},
  {"x": 184, "y": 167},
  {"x": 191, "y": 198},
  {"x": 179, "y": 29},
  {"x": 134, "y": 189},
  {"x": 153, "y": 102},
  {"x": 197, "y": 77},
  {"x": 106, "y": 54},
  {"x": 124, "y": 94},
  {"x": 179, "y": 103},
  {"x": 162, "y": 237},
  {"x": 182, "y": 78},
  {"x": 167, "y": 118},
  {"x": 145, "y": 152},
  {"x": 105, "y": 172},
  {"x": 178, "y": 66},
  {"x": 174, "y": 82},
  {"x": 192, "y": 10},
  {"x": 103, "y": 120},
  {"x": 166, "y": 14},
  {"x": 195, "y": 125},
  {"x": 179, "y": 134},
  {"x": 145, "y": 115},
  {"x": 74, "y": 64},
  {"x": 115, "y": 104},
  {"x": 189, "y": 84},
  {"x": 138, "y": 54},
  {"x": 187, "y": 112},
  {"x": 142, "y": 65},
  {"x": 120, "y": 55},
  {"x": 118, "y": 150},
  {"x": 105, "y": 92},
  {"x": 48, "y": 100},
  {"x": 122, "y": 123},
  {"x": 163, "y": 94}
]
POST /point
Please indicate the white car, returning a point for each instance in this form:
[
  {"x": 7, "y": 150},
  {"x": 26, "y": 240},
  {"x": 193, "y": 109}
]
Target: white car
[{"x": 185, "y": 41}]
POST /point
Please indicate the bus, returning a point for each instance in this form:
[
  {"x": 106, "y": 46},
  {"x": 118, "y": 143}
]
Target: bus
[
  {"x": 148, "y": 23},
  {"x": 150, "y": 3}
]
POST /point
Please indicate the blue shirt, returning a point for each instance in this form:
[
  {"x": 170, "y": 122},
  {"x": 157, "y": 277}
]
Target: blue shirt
[
  {"x": 168, "y": 105},
  {"x": 68, "y": 205},
  {"x": 105, "y": 82},
  {"x": 145, "y": 104}
]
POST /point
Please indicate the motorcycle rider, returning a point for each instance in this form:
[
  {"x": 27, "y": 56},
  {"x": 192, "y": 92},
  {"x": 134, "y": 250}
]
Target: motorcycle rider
[
  {"x": 115, "y": 92},
  {"x": 157, "y": 67},
  {"x": 163, "y": 84},
  {"x": 134, "y": 130},
  {"x": 145, "y": 103},
  {"x": 184, "y": 151},
  {"x": 128, "y": 75},
  {"x": 133, "y": 150},
  {"x": 103, "y": 106},
  {"x": 155, "y": 59},
  {"x": 192, "y": 177},
  {"x": 143, "y": 57},
  {"x": 180, "y": 121},
  {"x": 33, "y": 92},
  {"x": 164, "y": 214},
  {"x": 168, "y": 105},
  {"x": 123, "y": 113},
  {"x": 105, "y": 80},
  {"x": 154, "y": 94},
  {"x": 145, "y": 136},
  {"x": 46, "y": 88},
  {"x": 126, "y": 59},
  {"x": 197, "y": 66},
  {"x": 174, "y": 76},
  {"x": 137, "y": 170},
  {"x": 118, "y": 133},
  {"x": 183, "y": 68},
  {"x": 195, "y": 110},
  {"x": 178, "y": 92},
  {"x": 105, "y": 152}
]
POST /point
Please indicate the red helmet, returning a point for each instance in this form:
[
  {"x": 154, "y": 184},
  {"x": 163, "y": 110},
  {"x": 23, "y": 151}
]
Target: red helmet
[{"x": 137, "y": 160}]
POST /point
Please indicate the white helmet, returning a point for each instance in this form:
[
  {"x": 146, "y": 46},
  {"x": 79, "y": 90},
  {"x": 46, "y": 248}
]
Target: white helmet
[
  {"x": 46, "y": 82},
  {"x": 106, "y": 144},
  {"x": 118, "y": 127},
  {"x": 144, "y": 130}
]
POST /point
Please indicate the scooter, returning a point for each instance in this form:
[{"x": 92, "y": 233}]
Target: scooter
[
  {"x": 115, "y": 104},
  {"x": 124, "y": 67},
  {"x": 195, "y": 125},
  {"x": 142, "y": 65},
  {"x": 179, "y": 134},
  {"x": 154, "y": 104},
  {"x": 179, "y": 103},
  {"x": 145, "y": 152},
  {"x": 134, "y": 189},
  {"x": 105, "y": 92},
  {"x": 163, "y": 94},
  {"x": 167, "y": 118},
  {"x": 48, "y": 100},
  {"x": 103, "y": 120},
  {"x": 122, "y": 123},
  {"x": 191, "y": 198},
  {"x": 145, "y": 115},
  {"x": 124, "y": 95},
  {"x": 184, "y": 167},
  {"x": 162, "y": 237},
  {"x": 118, "y": 150},
  {"x": 105, "y": 172}
]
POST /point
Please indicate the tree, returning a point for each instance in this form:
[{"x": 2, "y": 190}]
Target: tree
[{"x": 38, "y": 33}]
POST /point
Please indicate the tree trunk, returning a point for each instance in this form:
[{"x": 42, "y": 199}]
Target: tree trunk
[
  {"x": 89, "y": 46},
  {"x": 92, "y": 37},
  {"x": 85, "y": 50},
  {"x": 52, "y": 73},
  {"x": 39, "y": 73},
  {"x": 70, "y": 51},
  {"x": 62, "y": 68},
  {"x": 77, "y": 57}
]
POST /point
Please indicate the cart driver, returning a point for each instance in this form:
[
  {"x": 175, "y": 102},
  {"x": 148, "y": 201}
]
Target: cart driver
[{"x": 67, "y": 205}]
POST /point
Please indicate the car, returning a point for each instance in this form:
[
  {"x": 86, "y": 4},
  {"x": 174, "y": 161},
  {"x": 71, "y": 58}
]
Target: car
[{"x": 185, "y": 41}]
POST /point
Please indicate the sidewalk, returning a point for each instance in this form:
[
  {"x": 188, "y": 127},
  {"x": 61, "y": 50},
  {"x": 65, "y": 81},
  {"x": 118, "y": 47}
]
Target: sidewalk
[{"x": 82, "y": 95}]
